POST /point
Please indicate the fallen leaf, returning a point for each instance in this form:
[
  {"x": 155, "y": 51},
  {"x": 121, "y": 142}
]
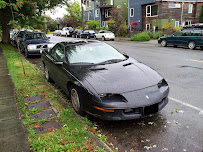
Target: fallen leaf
[
  {"x": 63, "y": 142},
  {"x": 51, "y": 129},
  {"x": 37, "y": 126}
]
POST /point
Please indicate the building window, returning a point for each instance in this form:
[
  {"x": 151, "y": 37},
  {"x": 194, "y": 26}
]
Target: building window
[
  {"x": 151, "y": 10},
  {"x": 131, "y": 12},
  {"x": 89, "y": 16},
  {"x": 111, "y": 2},
  {"x": 188, "y": 23},
  {"x": 190, "y": 8},
  {"x": 147, "y": 26},
  {"x": 88, "y": 3},
  {"x": 176, "y": 23},
  {"x": 172, "y": 5},
  {"x": 107, "y": 13},
  {"x": 97, "y": 13}
]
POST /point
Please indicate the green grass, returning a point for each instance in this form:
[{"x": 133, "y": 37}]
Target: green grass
[
  {"x": 73, "y": 136},
  {"x": 49, "y": 32}
]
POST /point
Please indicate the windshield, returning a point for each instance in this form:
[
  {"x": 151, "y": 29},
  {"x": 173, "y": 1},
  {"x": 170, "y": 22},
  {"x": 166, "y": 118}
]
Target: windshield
[
  {"x": 35, "y": 36},
  {"x": 94, "y": 53}
]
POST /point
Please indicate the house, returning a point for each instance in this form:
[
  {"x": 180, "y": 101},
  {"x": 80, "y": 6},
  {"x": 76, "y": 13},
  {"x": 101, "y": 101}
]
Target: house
[
  {"x": 100, "y": 10},
  {"x": 152, "y": 14}
]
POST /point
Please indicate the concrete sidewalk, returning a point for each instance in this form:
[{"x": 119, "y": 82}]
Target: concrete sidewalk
[{"x": 12, "y": 133}]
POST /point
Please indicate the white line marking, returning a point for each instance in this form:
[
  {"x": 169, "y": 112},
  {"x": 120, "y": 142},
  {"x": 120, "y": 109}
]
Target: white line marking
[{"x": 188, "y": 105}]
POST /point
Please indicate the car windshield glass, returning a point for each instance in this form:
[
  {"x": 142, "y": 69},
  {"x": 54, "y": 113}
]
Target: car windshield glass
[
  {"x": 94, "y": 53},
  {"x": 35, "y": 36}
]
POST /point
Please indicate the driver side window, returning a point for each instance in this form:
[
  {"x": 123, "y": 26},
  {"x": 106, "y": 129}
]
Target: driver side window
[{"x": 58, "y": 53}]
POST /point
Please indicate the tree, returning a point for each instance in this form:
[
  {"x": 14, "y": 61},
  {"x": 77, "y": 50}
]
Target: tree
[
  {"x": 201, "y": 16},
  {"x": 74, "y": 14},
  {"x": 12, "y": 10}
]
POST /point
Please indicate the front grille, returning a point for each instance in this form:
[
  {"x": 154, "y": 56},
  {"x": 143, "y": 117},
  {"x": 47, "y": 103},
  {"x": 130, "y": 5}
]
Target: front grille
[{"x": 151, "y": 109}]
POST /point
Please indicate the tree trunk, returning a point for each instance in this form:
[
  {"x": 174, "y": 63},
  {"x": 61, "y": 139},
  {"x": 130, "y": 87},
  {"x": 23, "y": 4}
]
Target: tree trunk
[{"x": 4, "y": 20}]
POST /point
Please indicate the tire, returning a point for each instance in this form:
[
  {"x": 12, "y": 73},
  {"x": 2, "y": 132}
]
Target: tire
[
  {"x": 103, "y": 38},
  {"x": 112, "y": 39},
  {"x": 175, "y": 46},
  {"x": 163, "y": 43},
  {"x": 95, "y": 37},
  {"x": 66, "y": 35},
  {"x": 75, "y": 100},
  {"x": 80, "y": 36},
  {"x": 201, "y": 47},
  {"x": 27, "y": 53},
  {"x": 47, "y": 75},
  {"x": 191, "y": 45},
  {"x": 88, "y": 37}
]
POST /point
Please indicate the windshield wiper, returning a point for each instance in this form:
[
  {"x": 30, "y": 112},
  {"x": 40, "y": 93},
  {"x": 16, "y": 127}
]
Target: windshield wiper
[
  {"x": 111, "y": 61},
  {"x": 82, "y": 63}
]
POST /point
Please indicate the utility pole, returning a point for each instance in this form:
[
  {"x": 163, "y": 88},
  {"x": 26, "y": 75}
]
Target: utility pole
[{"x": 83, "y": 26}]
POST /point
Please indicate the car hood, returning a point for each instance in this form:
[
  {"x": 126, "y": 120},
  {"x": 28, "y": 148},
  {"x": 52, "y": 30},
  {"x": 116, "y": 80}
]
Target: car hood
[
  {"x": 119, "y": 77},
  {"x": 37, "y": 41}
]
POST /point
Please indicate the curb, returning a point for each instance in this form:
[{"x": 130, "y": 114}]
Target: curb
[{"x": 98, "y": 141}]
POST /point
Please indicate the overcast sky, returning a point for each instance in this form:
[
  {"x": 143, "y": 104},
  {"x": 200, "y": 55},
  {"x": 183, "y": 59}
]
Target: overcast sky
[{"x": 58, "y": 12}]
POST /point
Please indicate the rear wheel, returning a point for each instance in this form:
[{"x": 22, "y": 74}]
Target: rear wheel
[
  {"x": 88, "y": 37},
  {"x": 46, "y": 72},
  {"x": 191, "y": 45},
  {"x": 163, "y": 43},
  {"x": 75, "y": 99}
]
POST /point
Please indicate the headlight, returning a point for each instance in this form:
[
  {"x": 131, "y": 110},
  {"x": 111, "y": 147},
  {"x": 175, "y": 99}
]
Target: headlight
[
  {"x": 108, "y": 97},
  {"x": 50, "y": 45},
  {"x": 31, "y": 47},
  {"x": 162, "y": 83}
]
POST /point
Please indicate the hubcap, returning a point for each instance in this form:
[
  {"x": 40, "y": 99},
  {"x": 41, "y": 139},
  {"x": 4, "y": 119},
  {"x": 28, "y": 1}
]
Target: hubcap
[
  {"x": 163, "y": 43},
  {"x": 191, "y": 45},
  {"x": 46, "y": 73},
  {"x": 75, "y": 99}
]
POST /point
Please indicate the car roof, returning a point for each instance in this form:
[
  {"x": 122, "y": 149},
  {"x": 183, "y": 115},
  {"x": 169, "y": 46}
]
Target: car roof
[{"x": 79, "y": 42}]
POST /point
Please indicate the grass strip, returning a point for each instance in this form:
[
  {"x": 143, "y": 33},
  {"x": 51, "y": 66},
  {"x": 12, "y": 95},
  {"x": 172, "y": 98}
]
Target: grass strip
[{"x": 71, "y": 137}]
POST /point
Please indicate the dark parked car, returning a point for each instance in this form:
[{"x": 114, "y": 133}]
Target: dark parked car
[
  {"x": 32, "y": 43},
  {"x": 104, "y": 82},
  {"x": 88, "y": 34},
  {"x": 190, "y": 38},
  {"x": 76, "y": 33}
]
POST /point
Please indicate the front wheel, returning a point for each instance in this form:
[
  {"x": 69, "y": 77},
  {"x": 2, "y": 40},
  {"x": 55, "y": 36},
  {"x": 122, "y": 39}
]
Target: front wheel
[
  {"x": 191, "y": 45},
  {"x": 103, "y": 38},
  {"x": 163, "y": 43},
  {"x": 88, "y": 37},
  {"x": 75, "y": 99},
  {"x": 27, "y": 53}
]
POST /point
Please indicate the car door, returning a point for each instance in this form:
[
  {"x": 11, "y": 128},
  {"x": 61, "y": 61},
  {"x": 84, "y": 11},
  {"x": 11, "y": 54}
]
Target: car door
[{"x": 56, "y": 64}]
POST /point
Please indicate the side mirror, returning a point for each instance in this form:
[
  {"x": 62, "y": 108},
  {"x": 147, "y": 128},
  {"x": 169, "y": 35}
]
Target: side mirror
[{"x": 58, "y": 63}]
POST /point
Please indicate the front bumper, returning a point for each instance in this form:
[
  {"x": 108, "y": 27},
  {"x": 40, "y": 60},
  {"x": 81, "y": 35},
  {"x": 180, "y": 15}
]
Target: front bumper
[
  {"x": 35, "y": 52},
  {"x": 159, "y": 41},
  {"x": 110, "y": 38},
  {"x": 140, "y": 112}
]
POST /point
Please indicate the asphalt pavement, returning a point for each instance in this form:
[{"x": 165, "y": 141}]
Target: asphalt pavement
[
  {"x": 12, "y": 133},
  {"x": 179, "y": 126}
]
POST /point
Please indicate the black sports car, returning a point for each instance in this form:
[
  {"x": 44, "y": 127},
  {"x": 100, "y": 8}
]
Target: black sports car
[{"x": 104, "y": 82}]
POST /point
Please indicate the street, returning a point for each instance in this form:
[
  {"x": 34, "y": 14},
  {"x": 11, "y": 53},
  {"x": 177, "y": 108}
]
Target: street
[{"x": 179, "y": 126}]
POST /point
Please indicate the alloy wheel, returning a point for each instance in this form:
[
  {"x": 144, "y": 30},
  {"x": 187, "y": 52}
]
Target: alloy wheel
[
  {"x": 163, "y": 43},
  {"x": 75, "y": 100},
  {"x": 192, "y": 45}
]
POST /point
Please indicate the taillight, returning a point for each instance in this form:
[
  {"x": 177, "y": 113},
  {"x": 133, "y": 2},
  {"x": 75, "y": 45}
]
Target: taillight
[
  {"x": 77, "y": 32},
  {"x": 91, "y": 33},
  {"x": 202, "y": 38}
]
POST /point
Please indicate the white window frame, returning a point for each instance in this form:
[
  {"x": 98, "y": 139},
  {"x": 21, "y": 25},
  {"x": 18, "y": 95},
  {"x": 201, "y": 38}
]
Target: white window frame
[
  {"x": 177, "y": 22},
  {"x": 190, "y": 8},
  {"x": 88, "y": 3},
  {"x": 107, "y": 13},
  {"x": 150, "y": 13},
  {"x": 111, "y": 2},
  {"x": 89, "y": 14},
  {"x": 189, "y": 21},
  {"x": 131, "y": 12},
  {"x": 147, "y": 25},
  {"x": 97, "y": 13}
]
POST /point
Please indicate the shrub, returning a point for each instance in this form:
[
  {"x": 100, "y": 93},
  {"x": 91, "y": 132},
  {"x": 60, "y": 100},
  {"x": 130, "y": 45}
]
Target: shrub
[
  {"x": 140, "y": 37},
  {"x": 111, "y": 25},
  {"x": 157, "y": 35},
  {"x": 149, "y": 33},
  {"x": 166, "y": 25},
  {"x": 123, "y": 30},
  {"x": 93, "y": 24},
  {"x": 175, "y": 29}
]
